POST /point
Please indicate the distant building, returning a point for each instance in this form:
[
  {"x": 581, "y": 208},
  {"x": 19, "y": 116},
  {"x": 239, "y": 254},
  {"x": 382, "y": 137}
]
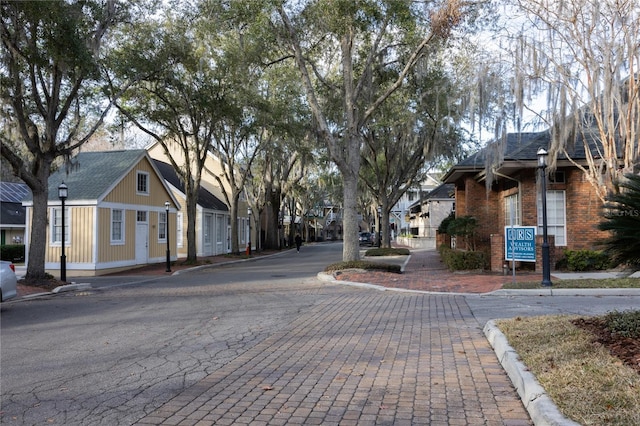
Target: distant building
[
  {"x": 426, "y": 214},
  {"x": 399, "y": 217}
]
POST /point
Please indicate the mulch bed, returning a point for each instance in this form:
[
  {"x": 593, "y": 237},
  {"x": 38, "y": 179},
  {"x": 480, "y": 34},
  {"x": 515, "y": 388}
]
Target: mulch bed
[{"x": 625, "y": 349}]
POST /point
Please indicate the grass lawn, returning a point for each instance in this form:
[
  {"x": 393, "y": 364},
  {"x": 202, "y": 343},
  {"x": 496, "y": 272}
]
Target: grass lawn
[
  {"x": 580, "y": 283},
  {"x": 585, "y": 381}
]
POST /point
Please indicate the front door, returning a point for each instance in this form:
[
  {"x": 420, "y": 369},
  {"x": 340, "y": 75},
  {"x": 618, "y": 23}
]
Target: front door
[
  {"x": 207, "y": 237},
  {"x": 142, "y": 238}
]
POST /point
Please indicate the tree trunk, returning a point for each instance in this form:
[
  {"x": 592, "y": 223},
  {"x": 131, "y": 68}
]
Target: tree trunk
[
  {"x": 39, "y": 226},
  {"x": 351, "y": 246},
  {"x": 272, "y": 209},
  {"x": 233, "y": 212},
  {"x": 192, "y": 211}
]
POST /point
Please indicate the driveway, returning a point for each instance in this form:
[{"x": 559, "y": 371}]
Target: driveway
[{"x": 261, "y": 342}]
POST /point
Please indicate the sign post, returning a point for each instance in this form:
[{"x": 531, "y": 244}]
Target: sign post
[{"x": 520, "y": 243}]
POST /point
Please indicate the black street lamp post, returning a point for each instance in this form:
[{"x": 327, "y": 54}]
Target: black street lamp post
[
  {"x": 379, "y": 226},
  {"x": 166, "y": 223},
  {"x": 249, "y": 237},
  {"x": 62, "y": 194},
  {"x": 546, "y": 270}
]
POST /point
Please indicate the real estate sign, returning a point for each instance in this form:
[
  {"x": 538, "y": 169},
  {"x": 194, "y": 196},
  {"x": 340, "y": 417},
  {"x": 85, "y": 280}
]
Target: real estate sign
[{"x": 520, "y": 243}]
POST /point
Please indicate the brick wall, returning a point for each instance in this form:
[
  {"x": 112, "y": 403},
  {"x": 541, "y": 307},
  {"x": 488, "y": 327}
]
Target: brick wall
[{"x": 582, "y": 211}]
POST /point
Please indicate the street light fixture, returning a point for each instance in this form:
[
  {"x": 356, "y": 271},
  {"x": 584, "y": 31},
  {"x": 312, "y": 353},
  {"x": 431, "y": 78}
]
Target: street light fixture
[
  {"x": 249, "y": 239},
  {"x": 62, "y": 194},
  {"x": 166, "y": 224},
  {"x": 379, "y": 226},
  {"x": 546, "y": 270}
]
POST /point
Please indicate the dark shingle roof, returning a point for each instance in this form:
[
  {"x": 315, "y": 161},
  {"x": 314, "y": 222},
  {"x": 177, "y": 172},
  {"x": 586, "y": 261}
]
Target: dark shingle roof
[
  {"x": 92, "y": 174},
  {"x": 205, "y": 198},
  {"x": 519, "y": 146},
  {"x": 440, "y": 192},
  {"x": 445, "y": 190}
]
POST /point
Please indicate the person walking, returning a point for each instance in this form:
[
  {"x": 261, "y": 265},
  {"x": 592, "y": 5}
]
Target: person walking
[{"x": 298, "y": 240}]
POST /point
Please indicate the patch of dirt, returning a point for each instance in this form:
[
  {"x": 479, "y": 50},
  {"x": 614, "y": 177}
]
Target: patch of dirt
[
  {"x": 42, "y": 284},
  {"x": 625, "y": 349}
]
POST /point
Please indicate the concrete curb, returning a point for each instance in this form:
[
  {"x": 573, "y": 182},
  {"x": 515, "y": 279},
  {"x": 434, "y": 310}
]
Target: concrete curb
[
  {"x": 71, "y": 287},
  {"x": 567, "y": 292},
  {"x": 541, "y": 408}
]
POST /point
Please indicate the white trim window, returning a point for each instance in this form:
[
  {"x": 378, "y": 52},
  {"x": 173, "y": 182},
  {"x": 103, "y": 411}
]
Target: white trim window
[
  {"x": 556, "y": 216},
  {"x": 55, "y": 228},
  {"x": 117, "y": 226},
  {"x": 179, "y": 236},
  {"x": 512, "y": 210},
  {"x": 142, "y": 183},
  {"x": 162, "y": 227}
]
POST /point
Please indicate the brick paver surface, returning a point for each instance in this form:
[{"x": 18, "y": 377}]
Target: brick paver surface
[
  {"x": 364, "y": 357},
  {"x": 360, "y": 357}
]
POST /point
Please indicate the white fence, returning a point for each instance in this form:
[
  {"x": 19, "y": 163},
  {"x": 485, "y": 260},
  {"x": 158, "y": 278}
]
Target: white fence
[{"x": 418, "y": 242}]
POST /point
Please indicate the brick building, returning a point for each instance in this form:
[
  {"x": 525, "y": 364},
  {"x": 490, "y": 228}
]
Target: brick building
[{"x": 513, "y": 197}]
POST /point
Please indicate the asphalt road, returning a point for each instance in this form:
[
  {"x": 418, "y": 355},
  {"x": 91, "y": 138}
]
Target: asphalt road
[{"x": 117, "y": 352}]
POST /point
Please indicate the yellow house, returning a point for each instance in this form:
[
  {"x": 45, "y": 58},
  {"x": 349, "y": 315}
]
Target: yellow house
[
  {"x": 115, "y": 214},
  {"x": 213, "y": 223},
  {"x": 213, "y": 228}
]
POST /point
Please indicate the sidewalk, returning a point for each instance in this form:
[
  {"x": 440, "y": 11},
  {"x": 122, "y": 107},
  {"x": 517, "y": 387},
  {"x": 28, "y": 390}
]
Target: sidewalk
[
  {"x": 155, "y": 269},
  {"x": 425, "y": 272}
]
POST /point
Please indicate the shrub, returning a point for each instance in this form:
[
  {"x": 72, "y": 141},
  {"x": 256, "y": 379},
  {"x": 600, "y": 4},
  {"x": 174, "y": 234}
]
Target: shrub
[
  {"x": 12, "y": 252},
  {"x": 465, "y": 227},
  {"x": 626, "y": 324},
  {"x": 460, "y": 260},
  {"x": 444, "y": 225},
  {"x": 387, "y": 252},
  {"x": 361, "y": 264},
  {"x": 586, "y": 260}
]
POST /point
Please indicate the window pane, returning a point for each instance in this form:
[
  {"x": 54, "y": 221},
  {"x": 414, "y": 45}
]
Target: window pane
[
  {"x": 116, "y": 225},
  {"x": 162, "y": 225},
  {"x": 143, "y": 183},
  {"x": 556, "y": 219},
  {"x": 511, "y": 210}
]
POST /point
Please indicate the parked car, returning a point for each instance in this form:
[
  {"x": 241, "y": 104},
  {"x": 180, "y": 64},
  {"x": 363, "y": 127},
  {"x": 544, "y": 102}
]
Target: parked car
[
  {"x": 366, "y": 238},
  {"x": 8, "y": 280}
]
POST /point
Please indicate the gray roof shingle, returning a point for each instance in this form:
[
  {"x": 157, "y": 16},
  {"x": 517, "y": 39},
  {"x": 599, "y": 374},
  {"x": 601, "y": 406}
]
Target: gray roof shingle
[
  {"x": 205, "y": 198},
  {"x": 93, "y": 174}
]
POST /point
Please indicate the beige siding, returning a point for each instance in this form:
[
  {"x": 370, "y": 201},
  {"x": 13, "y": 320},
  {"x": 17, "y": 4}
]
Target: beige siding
[
  {"x": 125, "y": 192},
  {"x": 213, "y": 166},
  {"x": 157, "y": 248},
  {"x": 80, "y": 247},
  {"x": 116, "y": 252}
]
